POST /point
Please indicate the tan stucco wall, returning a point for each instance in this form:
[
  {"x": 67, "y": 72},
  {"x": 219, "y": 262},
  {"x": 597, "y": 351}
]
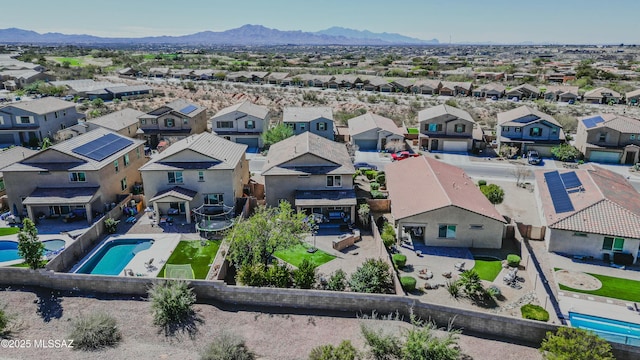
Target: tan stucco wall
[{"x": 563, "y": 241}]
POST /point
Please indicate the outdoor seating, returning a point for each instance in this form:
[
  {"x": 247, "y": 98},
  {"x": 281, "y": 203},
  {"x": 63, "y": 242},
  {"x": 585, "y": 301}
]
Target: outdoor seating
[
  {"x": 447, "y": 274},
  {"x": 459, "y": 266},
  {"x": 425, "y": 274},
  {"x": 149, "y": 264}
]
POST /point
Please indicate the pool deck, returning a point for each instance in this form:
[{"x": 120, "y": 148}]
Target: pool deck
[
  {"x": 14, "y": 237},
  {"x": 588, "y": 305}
]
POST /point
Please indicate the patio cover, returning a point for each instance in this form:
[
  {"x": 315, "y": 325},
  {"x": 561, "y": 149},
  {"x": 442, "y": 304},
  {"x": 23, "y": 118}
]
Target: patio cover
[
  {"x": 61, "y": 196},
  {"x": 176, "y": 192},
  {"x": 325, "y": 198}
]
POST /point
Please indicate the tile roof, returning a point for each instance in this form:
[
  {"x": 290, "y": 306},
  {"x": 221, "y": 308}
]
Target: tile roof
[
  {"x": 443, "y": 109},
  {"x": 306, "y": 114},
  {"x": 510, "y": 117},
  {"x": 633, "y": 93},
  {"x": 623, "y": 124},
  {"x": 118, "y": 120},
  {"x": 84, "y": 85},
  {"x": 433, "y": 185},
  {"x": 433, "y": 84},
  {"x": 606, "y": 204},
  {"x": 598, "y": 92},
  {"x": 246, "y": 107},
  {"x": 14, "y": 154},
  {"x": 370, "y": 121},
  {"x": 307, "y": 143},
  {"x": 224, "y": 153},
  {"x": 180, "y": 104},
  {"x": 43, "y": 106}
]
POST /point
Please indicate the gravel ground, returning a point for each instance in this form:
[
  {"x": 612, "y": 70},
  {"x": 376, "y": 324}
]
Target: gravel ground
[{"x": 272, "y": 334}]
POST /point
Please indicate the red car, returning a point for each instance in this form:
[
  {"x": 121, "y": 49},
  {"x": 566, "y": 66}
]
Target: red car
[{"x": 401, "y": 155}]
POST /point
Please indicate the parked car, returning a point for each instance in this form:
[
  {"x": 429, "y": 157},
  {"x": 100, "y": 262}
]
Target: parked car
[
  {"x": 364, "y": 166},
  {"x": 533, "y": 157},
  {"x": 401, "y": 155}
]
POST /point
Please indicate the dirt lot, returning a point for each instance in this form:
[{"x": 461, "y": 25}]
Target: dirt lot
[{"x": 272, "y": 334}]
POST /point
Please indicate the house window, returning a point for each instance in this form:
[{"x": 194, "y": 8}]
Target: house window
[
  {"x": 602, "y": 137},
  {"x": 25, "y": 120},
  {"x": 447, "y": 231},
  {"x": 517, "y": 129},
  {"x": 581, "y": 234},
  {"x": 303, "y": 126},
  {"x": 611, "y": 243},
  {"x": 632, "y": 136},
  {"x": 303, "y": 176},
  {"x": 1, "y": 120},
  {"x": 169, "y": 123},
  {"x": 334, "y": 181},
  {"x": 45, "y": 118},
  {"x": 213, "y": 199},
  {"x": 154, "y": 121},
  {"x": 116, "y": 166},
  {"x": 123, "y": 184},
  {"x": 56, "y": 114},
  {"x": 535, "y": 131},
  {"x": 505, "y": 129},
  {"x": 292, "y": 126},
  {"x": 250, "y": 124},
  {"x": 476, "y": 227},
  {"x": 321, "y": 126},
  {"x": 185, "y": 121},
  {"x": 77, "y": 177},
  {"x": 143, "y": 121},
  {"x": 175, "y": 177},
  {"x": 435, "y": 127},
  {"x": 200, "y": 175},
  {"x": 459, "y": 128},
  {"x": 138, "y": 152},
  {"x": 224, "y": 124},
  {"x": 554, "y": 130},
  {"x": 126, "y": 160},
  {"x": 1, "y": 184}
]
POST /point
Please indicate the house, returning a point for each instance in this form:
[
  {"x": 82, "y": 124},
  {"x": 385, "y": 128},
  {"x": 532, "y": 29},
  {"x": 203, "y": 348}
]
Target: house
[
  {"x": 377, "y": 83},
  {"x": 441, "y": 206},
  {"x": 318, "y": 120},
  {"x": 159, "y": 72},
  {"x": 202, "y": 169},
  {"x": 528, "y": 129},
  {"x": 173, "y": 121},
  {"x": 10, "y": 156},
  {"x": 522, "y": 92},
  {"x": 31, "y": 121},
  {"x": 374, "y": 132},
  {"x": 82, "y": 175},
  {"x": 129, "y": 92},
  {"x": 88, "y": 88},
  {"x": 633, "y": 97},
  {"x": 602, "y": 95},
  {"x": 403, "y": 84},
  {"x": 489, "y": 91},
  {"x": 446, "y": 128},
  {"x": 202, "y": 74},
  {"x": 562, "y": 93},
  {"x": 591, "y": 211},
  {"x": 609, "y": 138},
  {"x": 127, "y": 72},
  {"x": 23, "y": 78},
  {"x": 276, "y": 78},
  {"x": 426, "y": 87},
  {"x": 450, "y": 88},
  {"x": 242, "y": 123},
  {"x": 124, "y": 122},
  {"x": 314, "y": 174}
]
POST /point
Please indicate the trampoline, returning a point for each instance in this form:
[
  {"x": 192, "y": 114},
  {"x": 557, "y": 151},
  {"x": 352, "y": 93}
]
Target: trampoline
[{"x": 211, "y": 220}]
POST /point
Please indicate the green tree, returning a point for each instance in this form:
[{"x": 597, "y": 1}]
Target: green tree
[
  {"x": 276, "y": 133},
  {"x": 374, "y": 276},
  {"x": 493, "y": 192},
  {"x": 97, "y": 103},
  {"x": 29, "y": 246},
  {"x": 575, "y": 344},
  {"x": 337, "y": 281},
  {"x": 254, "y": 240},
  {"x": 565, "y": 152},
  {"x": 304, "y": 277}
]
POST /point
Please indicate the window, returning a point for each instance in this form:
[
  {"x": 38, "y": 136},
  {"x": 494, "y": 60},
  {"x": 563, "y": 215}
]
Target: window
[
  {"x": 292, "y": 126},
  {"x": 535, "y": 131},
  {"x": 175, "y": 177},
  {"x": 602, "y": 137},
  {"x": 143, "y": 121},
  {"x": 476, "y": 227},
  {"x": 1, "y": 184},
  {"x": 213, "y": 199},
  {"x": 116, "y": 166},
  {"x": 154, "y": 121},
  {"x": 25, "y": 120},
  {"x": 123, "y": 184},
  {"x": 77, "y": 177},
  {"x": 611, "y": 243},
  {"x": 138, "y": 152},
  {"x": 334, "y": 181},
  {"x": 581, "y": 234},
  {"x": 517, "y": 129},
  {"x": 435, "y": 127},
  {"x": 447, "y": 231},
  {"x": 1, "y": 120},
  {"x": 249, "y": 124},
  {"x": 185, "y": 121},
  {"x": 321, "y": 126},
  {"x": 56, "y": 114},
  {"x": 303, "y": 126},
  {"x": 303, "y": 176},
  {"x": 224, "y": 124},
  {"x": 554, "y": 130},
  {"x": 632, "y": 136},
  {"x": 200, "y": 175},
  {"x": 459, "y": 128},
  {"x": 126, "y": 160},
  {"x": 45, "y": 118},
  {"x": 505, "y": 129},
  {"x": 169, "y": 123}
]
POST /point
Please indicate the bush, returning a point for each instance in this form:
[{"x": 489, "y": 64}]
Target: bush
[
  {"x": 171, "y": 303},
  {"x": 493, "y": 192},
  {"x": 111, "y": 225},
  {"x": 408, "y": 283},
  {"x": 565, "y": 152},
  {"x": 95, "y": 332},
  {"x": 370, "y": 174},
  {"x": 278, "y": 275},
  {"x": 388, "y": 235},
  {"x": 304, "y": 277},
  {"x": 373, "y": 276},
  {"x": 337, "y": 281},
  {"x": 482, "y": 182},
  {"x": 376, "y": 194},
  {"x": 453, "y": 288},
  {"x": 575, "y": 344},
  {"x": 513, "y": 260},
  {"x": 494, "y": 291},
  {"x": 381, "y": 178},
  {"x": 4, "y": 320},
  {"x": 252, "y": 275},
  {"x": 227, "y": 347},
  {"x": 344, "y": 351},
  {"x": 534, "y": 312},
  {"x": 374, "y": 186},
  {"x": 399, "y": 260}
]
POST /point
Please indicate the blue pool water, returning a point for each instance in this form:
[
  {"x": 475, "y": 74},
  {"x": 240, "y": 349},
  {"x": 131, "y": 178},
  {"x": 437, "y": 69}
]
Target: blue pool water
[
  {"x": 9, "y": 249},
  {"x": 612, "y": 330},
  {"x": 113, "y": 256}
]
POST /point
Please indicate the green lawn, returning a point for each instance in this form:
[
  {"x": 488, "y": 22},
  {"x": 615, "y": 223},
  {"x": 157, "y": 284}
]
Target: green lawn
[
  {"x": 487, "y": 268},
  {"x": 21, "y": 265},
  {"x": 72, "y": 61},
  {"x": 9, "y": 231},
  {"x": 192, "y": 252},
  {"x": 612, "y": 287},
  {"x": 296, "y": 254}
]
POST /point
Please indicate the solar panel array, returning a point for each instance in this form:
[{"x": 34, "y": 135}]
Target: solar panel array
[
  {"x": 592, "y": 122},
  {"x": 103, "y": 147},
  {"x": 570, "y": 180},
  {"x": 189, "y": 109},
  {"x": 559, "y": 196}
]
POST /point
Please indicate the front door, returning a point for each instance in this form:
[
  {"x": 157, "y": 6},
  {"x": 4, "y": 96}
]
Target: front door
[
  {"x": 434, "y": 145},
  {"x": 383, "y": 143},
  {"x": 631, "y": 156}
]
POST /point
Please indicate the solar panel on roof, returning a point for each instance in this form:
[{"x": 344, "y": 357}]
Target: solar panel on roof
[
  {"x": 559, "y": 197},
  {"x": 592, "y": 122},
  {"x": 189, "y": 109},
  {"x": 103, "y": 147},
  {"x": 570, "y": 180}
]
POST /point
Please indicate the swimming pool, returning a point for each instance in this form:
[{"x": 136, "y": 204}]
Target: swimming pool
[
  {"x": 612, "y": 330},
  {"x": 9, "y": 249},
  {"x": 113, "y": 256}
]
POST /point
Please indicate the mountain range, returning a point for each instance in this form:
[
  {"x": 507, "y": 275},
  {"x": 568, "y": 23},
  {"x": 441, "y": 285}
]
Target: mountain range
[{"x": 244, "y": 35}]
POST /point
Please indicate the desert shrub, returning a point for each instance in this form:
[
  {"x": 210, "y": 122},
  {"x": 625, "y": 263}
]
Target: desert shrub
[
  {"x": 399, "y": 260},
  {"x": 513, "y": 260},
  {"x": 4, "y": 320},
  {"x": 534, "y": 312},
  {"x": 374, "y": 186},
  {"x": 304, "y": 277},
  {"x": 373, "y": 276},
  {"x": 482, "y": 182},
  {"x": 453, "y": 288},
  {"x": 494, "y": 291},
  {"x": 111, "y": 225},
  {"x": 95, "y": 331},
  {"x": 575, "y": 344},
  {"x": 381, "y": 178},
  {"x": 388, "y": 235},
  {"x": 227, "y": 347},
  {"x": 278, "y": 275},
  {"x": 344, "y": 351},
  {"x": 493, "y": 192},
  {"x": 408, "y": 283},
  {"x": 370, "y": 174},
  {"x": 252, "y": 275},
  {"x": 337, "y": 281},
  {"x": 171, "y": 302},
  {"x": 376, "y": 194}
]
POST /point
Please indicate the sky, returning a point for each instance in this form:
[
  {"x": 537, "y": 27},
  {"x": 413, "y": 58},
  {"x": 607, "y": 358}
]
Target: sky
[{"x": 458, "y": 21}]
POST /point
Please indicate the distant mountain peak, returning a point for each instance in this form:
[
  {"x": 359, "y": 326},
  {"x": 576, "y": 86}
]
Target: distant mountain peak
[{"x": 366, "y": 34}]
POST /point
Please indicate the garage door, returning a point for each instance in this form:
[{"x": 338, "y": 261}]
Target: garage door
[
  {"x": 251, "y": 142},
  {"x": 457, "y": 146},
  {"x": 364, "y": 145},
  {"x": 605, "y": 157},
  {"x": 6, "y": 139}
]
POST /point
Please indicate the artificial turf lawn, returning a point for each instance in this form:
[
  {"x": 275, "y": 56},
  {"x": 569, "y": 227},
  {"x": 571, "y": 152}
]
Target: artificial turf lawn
[
  {"x": 192, "y": 252},
  {"x": 487, "y": 268},
  {"x": 612, "y": 287},
  {"x": 9, "y": 231},
  {"x": 294, "y": 256},
  {"x": 72, "y": 61}
]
